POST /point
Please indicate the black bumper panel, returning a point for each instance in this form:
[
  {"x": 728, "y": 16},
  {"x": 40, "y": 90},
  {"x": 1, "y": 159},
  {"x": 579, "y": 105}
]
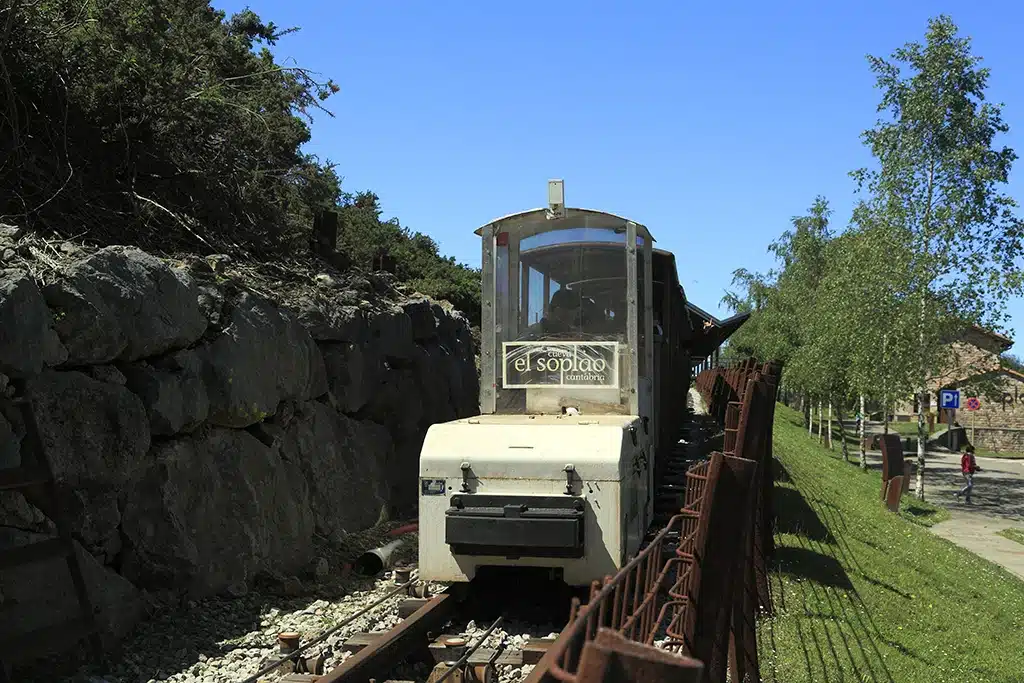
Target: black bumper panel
[{"x": 515, "y": 526}]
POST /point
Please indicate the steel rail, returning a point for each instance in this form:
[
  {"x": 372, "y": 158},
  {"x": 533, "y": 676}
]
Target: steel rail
[
  {"x": 375, "y": 660},
  {"x": 469, "y": 652},
  {"x": 334, "y": 629}
]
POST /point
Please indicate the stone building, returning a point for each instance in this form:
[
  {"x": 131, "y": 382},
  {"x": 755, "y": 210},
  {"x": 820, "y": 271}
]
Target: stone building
[
  {"x": 999, "y": 424},
  {"x": 975, "y": 368}
]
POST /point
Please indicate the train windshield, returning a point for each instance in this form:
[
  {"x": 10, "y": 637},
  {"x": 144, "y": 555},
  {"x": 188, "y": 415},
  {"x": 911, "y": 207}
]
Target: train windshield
[{"x": 565, "y": 324}]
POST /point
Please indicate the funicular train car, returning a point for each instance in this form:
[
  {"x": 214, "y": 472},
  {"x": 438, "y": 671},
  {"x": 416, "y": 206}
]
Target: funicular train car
[{"x": 584, "y": 373}]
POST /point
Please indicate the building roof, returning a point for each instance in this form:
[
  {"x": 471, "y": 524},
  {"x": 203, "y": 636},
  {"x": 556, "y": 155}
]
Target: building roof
[{"x": 1003, "y": 340}]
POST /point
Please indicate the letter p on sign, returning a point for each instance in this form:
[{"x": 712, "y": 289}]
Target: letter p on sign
[{"x": 949, "y": 398}]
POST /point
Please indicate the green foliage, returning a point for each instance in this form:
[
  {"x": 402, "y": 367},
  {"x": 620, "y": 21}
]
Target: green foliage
[
  {"x": 158, "y": 122},
  {"x": 374, "y": 244},
  {"x": 171, "y": 126},
  {"x": 936, "y": 187},
  {"x": 930, "y": 249},
  {"x": 936, "y": 191},
  {"x": 1012, "y": 362},
  {"x": 784, "y": 321}
]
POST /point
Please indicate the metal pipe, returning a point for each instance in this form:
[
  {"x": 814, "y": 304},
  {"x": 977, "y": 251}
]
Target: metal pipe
[
  {"x": 373, "y": 562},
  {"x": 407, "y": 529}
]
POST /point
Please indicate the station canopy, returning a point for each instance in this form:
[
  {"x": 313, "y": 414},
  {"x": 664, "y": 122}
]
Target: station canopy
[{"x": 709, "y": 332}]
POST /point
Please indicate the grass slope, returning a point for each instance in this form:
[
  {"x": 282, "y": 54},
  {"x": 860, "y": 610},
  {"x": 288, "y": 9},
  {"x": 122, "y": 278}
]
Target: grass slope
[
  {"x": 862, "y": 594},
  {"x": 1013, "y": 534}
]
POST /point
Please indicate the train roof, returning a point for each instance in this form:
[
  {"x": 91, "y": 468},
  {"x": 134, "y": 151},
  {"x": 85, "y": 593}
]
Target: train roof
[{"x": 570, "y": 212}]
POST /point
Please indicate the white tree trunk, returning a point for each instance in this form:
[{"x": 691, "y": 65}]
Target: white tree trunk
[
  {"x": 922, "y": 394},
  {"x": 885, "y": 386},
  {"x": 922, "y": 437},
  {"x": 863, "y": 426},
  {"x": 830, "y": 424}
]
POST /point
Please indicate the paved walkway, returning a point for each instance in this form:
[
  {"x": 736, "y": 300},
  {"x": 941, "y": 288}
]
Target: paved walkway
[{"x": 997, "y": 504}]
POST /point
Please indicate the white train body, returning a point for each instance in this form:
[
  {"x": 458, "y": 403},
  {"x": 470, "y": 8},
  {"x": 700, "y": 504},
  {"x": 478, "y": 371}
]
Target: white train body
[
  {"x": 587, "y": 520},
  {"x": 584, "y": 367}
]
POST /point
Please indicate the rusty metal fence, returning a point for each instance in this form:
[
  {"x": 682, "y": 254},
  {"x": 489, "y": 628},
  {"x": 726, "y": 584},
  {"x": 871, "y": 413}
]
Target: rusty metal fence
[{"x": 685, "y": 608}]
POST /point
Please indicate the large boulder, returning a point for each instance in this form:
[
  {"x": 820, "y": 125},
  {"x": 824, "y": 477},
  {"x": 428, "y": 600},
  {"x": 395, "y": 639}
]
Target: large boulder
[
  {"x": 16, "y": 512},
  {"x": 390, "y": 332},
  {"x": 86, "y": 324},
  {"x": 42, "y": 593},
  {"x": 124, "y": 297},
  {"x": 344, "y": 461},
  {"x": 28, "y": 342},
  {"x": 10, "y": 445},
  {"x": 353, "y": 373},
  {"x": 172, "y": 390},
  {"x": 330, "y": 321},
  {"x": 212, "y": 510},
  {"x": 396, "y": 401},
  {"x": 421, "y": 317},
  {"x": 262, "y": 357},
  {"x": 96, "y": 436},
  {"x": 93, "y": 432}
]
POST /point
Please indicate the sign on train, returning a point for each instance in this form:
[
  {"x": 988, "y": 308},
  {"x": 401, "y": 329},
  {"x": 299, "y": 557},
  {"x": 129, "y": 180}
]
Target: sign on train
[{"x": 560, "y": 364}]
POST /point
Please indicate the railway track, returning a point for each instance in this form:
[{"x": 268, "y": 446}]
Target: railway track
[
  {"x": 436, "y": 640},
  {"x": 429, "y": 628}
]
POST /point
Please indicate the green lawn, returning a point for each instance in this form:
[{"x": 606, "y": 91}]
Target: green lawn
[
  {"x": 862, "y": 594},
  {"x": 1013, "y": 535}
]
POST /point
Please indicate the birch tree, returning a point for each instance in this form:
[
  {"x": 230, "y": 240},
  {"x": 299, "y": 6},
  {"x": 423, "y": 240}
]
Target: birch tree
[{"x": 936, "y": 190}]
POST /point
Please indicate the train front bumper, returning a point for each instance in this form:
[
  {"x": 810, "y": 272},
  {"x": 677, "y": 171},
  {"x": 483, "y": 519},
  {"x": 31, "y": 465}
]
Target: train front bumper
[{"x": 514, "y": 526}]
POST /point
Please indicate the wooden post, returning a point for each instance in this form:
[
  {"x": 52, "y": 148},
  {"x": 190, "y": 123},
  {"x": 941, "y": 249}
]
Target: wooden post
[{"x": 325, "y": 232}]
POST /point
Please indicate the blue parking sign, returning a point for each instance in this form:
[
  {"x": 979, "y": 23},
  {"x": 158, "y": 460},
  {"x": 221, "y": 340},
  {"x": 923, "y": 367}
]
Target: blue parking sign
[{"x": 949, "y": 398}]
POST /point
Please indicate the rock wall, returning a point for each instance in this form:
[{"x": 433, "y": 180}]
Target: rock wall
[{"x": 205, "y": 418}]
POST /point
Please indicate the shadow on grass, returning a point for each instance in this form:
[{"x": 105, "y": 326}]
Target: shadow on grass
[
  {"x": 921, "y": 514},
  {"x": 835, "y": 632},
  {"x": 805, "y": 563},
  {"x": 795, "y": 516},
  {"x": 779, "y": 472},
  {"x": 886, "y": 586}
]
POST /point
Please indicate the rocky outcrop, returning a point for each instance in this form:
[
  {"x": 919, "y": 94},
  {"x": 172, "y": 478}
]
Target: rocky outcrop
[
  {"x": 96, "y": 436},
  {"x": 28, "y": 342},
  {"x": 258, "y": 335},
  {"x": 41, "y": 594},
  {"x": 345, "y": 460},
  {"x": 213, "y": 509},
  {"x": 205, "y": 418},
  {"x": 172, "y": 390},
  {"x": 124, "y": 303}
]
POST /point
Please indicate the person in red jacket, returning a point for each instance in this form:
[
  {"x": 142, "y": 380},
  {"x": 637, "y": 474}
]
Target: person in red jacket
[{"x": 968, "y": 466}]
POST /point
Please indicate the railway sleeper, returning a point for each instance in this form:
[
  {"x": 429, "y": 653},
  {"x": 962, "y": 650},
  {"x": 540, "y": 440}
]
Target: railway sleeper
[{"x": 468, "y": 673}]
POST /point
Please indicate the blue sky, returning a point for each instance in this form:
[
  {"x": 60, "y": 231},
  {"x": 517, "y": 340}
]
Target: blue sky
[{"x": 712, "y": 124}]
